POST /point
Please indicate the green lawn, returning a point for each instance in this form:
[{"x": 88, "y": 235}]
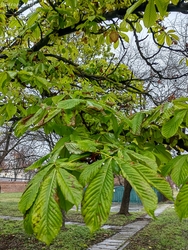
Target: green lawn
[
  {"x": 165, "y": 233},
  {"x": 9, "y": 207},
  {"x": 75, "y": 237},
  {"x": 9, "y": 204}
]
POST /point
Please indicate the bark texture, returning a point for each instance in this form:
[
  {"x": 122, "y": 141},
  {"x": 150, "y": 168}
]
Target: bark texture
[{"x": 124, "y": 208}]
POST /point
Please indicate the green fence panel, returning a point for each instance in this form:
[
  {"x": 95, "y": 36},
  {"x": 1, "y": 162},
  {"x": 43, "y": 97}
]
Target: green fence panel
[{"x": 118, "y": 195}]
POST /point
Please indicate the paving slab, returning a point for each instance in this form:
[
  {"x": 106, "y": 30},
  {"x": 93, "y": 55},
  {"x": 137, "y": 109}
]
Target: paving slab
[
  {"x": 159, "y": 210},
  {"x": 10, "y": 218}
]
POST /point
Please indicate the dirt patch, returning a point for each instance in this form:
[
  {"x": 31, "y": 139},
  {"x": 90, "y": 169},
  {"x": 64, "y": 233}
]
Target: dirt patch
[
  {"x": 18, "y": 241},
  {"x": 21, "y": 241}
]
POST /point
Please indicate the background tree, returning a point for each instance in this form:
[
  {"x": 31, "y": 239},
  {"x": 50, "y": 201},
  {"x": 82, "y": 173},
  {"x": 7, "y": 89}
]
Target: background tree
[
  {"x": 169, "y": 61},
  {"x": 45, "y": 85},
  {"x": 16, "y": 154}
]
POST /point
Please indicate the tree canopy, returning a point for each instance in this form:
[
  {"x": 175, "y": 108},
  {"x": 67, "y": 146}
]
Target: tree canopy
[{"x": 58, "y": 72}]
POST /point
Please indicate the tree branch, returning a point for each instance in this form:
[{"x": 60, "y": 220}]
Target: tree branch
[{"x": 118, "y": 13}]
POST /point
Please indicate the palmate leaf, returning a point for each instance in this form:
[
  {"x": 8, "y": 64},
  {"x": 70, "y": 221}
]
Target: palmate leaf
[
  {"x": 133, "y": 7},
  {"x": 30, "y": 194},
  {"x": 87, "y": 145},
  {"x": 178, "y": 168},
  {"x": 162, "y": 154},
  {"x": 142, "y": 159},
  {"x": 73, "y": 148},
  {"x": 137, "y": 122},
  {"x": 28, "y": 221},
  {"x": 78, "y": 166},
  {"x": 155, "y": 180},
  {"x": 162, "y": 6},
  {"x": 69, "y": 104},
  {"x": 38, "y": 163},
  {"x": 70, "y": 187},
  {"x": 64, "y": 204},
  {"x": 90, "y": 171},
  {"x": 46, "y": 216},
  {"x": 98, "y": 197},
  {"x": 170, "y": 128},
  {"x": 150, "y": 14},
  {"x": 181, "y": 203},
  {"x": 140, "y": 185}
]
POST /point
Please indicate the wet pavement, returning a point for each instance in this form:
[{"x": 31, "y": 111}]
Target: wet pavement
[{"x": 133, "y": 207}]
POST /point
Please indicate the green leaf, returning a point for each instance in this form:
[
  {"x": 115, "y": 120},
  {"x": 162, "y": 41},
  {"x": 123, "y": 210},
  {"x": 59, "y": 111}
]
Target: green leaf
[
  {"x": 47, "y": 217},
  {"x": 162, "y": 154},
  {"x": 30, "y": 194},
  {"x": 181, "y": 203},
  {"x": 124, "y": 36},
  {"x": 90, "y": 172},
  {"x": 69, "y": 104},
  {"x": 140, "y": 185},
  {"x": 73, "y": 148},
  {"x": 38, "y": 164},
  {"x": 12, "y": 74},
  {"x": 63, "y": 163},
  {"x": 34, "y": 118},
  {"x": 87, "y": 145},
  {"x": 142, "y": 159},
  {"x": 32, "y": 19},
  {"x": 64, "y": 204},
  {"x": 168, "y": 40},
  {"x": 179, "y": 169},
  {"x": 21, "y": 59},
  {"x": 28, "y": 221},
  {"x": 116, "y": 44},
  {"x": 150, "y": 14},
  {"x": 72, "y": 3},
  {"x": 51, "y": 114},
  {"x": 137, "y": 122},
  {"x": 97, "y": 198},
  {"x": 133, "y": 8},
  {"x": 11, "y": 110},
  {"x": 115, "y": 124},
  {"x": 93, "y": 105},
  {"x": 57, "y": 99},
  {"x": 162, "y": 6},
  {"x": 170, "y": 128},
  {"x": 155, "y": 180},
  {"x": 175, "y": 2},
  {"x": 70, "y": 187},
  {"x": 3, "y": 78}
]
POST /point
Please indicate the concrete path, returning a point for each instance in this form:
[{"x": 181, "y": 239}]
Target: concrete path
[
  {"x": 120, "y": 240},
  {"x": 114, "y": 208}
]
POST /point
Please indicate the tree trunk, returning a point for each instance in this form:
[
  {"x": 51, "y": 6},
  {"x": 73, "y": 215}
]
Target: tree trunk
[
  {"x": 64, "y": 219},
  {"x": 124, "y": 208}
]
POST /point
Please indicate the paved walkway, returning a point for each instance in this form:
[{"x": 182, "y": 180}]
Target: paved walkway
[
  {"x": 114, "y": 208},
  {"x": 120, "y": 240}
]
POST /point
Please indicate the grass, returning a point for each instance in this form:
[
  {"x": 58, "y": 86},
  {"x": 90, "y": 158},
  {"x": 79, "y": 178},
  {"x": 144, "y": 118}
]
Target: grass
[
  {"x": 114, "y": 218},
  {"x": 9, "y": 207},
  {"x": 76, "y": 237},
  {"x": 9, "y": 204},
  {"x": 165, "y": 233},
  {"x": 12, "y": 235}
]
